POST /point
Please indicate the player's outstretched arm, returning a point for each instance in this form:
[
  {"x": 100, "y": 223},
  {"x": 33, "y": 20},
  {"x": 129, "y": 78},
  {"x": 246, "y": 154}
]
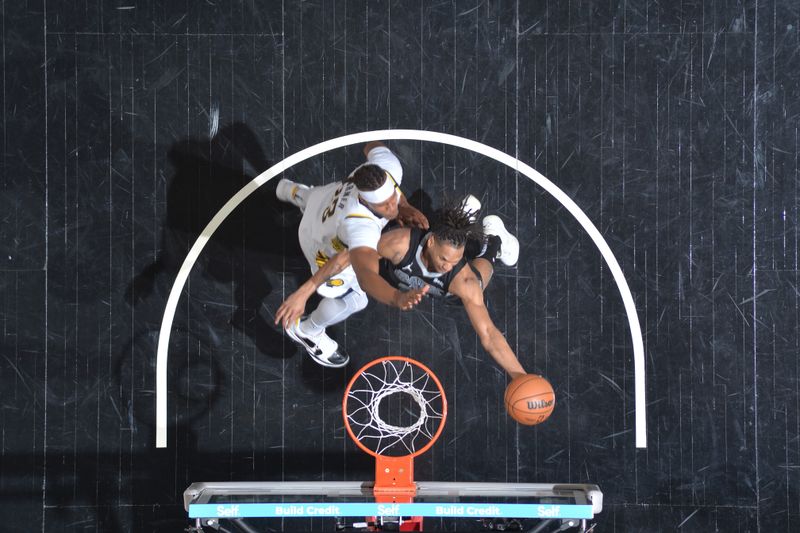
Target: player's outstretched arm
[
  {"x": 365, "y": 264},
  {"x": 293, "y": 306},
  {"x": 469, "y": 290}
]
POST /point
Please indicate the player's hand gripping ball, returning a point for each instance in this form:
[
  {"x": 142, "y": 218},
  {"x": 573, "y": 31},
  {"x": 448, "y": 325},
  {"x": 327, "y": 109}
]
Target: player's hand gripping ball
[{"x": 530, "y": 399}]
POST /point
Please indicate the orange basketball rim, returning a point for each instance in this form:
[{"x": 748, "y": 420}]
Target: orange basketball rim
[{"x": 394, "y": 408}]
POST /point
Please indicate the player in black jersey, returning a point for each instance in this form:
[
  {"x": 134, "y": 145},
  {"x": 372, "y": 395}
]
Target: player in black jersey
[{"x": 414, "y": 258}]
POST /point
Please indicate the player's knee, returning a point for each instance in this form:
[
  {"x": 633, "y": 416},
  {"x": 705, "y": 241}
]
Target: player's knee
[{"x": 358, "y": 300}]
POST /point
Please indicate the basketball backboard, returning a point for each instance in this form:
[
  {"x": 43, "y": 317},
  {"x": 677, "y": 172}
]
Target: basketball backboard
[
  {"x": 208, "y": 503},
  {"x": 394, "y": 408}
]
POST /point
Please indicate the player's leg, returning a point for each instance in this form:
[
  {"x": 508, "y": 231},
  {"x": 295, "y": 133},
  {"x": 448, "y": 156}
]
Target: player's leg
[
  {"x": 311, "y": 335},
  {"x": 331, "y": 311},
  {"x": 293, "y": 193},
  {"x": 508, "y": 250},
  {"x": 310, "y": 331},
  {"x": 498, "y": 244}
]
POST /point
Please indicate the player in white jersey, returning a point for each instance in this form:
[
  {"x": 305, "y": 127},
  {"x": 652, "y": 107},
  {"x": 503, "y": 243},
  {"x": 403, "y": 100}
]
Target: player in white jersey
[{"x": 350, "y": 215}]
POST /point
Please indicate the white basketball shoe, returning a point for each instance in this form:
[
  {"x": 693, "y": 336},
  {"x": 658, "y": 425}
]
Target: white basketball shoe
[
  {"x": 471, "y": 206},
  {"x": 509, "y": 245},
  {"x": 322, "y": 349}
]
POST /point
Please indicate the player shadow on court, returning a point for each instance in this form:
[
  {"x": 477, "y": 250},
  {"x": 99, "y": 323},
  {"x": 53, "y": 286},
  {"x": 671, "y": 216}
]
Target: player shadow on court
[
  {"x": 250, "y": 251},
  {"x": 251, "y": 247}
]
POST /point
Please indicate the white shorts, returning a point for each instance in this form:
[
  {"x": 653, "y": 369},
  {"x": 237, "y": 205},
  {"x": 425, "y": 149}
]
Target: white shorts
[{"x": 336, "y": 286}]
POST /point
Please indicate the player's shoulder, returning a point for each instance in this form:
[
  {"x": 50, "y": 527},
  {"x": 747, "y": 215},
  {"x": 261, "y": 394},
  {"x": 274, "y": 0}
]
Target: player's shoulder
[
  {"x": 354, "y": 211},
  {"x": 357, "y": 224},
  {"x": 398, "y": 239},
  {"x": 379, "y": 151},
  {"x": 466, "y": 285},
  {"x": 394, "y": 244}
]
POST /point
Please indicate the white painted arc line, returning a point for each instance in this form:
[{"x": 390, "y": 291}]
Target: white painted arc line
[{"x": 412, "y": 135}]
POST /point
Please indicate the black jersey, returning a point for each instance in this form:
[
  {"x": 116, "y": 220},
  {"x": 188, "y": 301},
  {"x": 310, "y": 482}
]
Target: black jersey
[{"x": 410, "y": 272}]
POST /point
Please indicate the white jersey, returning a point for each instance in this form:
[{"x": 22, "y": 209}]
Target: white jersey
[{"x": 334, "y": 220}]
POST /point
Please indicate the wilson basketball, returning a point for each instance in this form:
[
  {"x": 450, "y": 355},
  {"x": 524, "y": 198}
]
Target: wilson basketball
[{"x": 530, "y": 399}]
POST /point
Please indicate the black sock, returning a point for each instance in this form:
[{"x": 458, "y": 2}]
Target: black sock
[{"x": 473, "y": 248}]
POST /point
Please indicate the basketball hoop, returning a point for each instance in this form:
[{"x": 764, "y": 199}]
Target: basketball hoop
[{"x": 394, "y": 408}]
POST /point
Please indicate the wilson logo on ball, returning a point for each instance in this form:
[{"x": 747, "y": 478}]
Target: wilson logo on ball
[{"x": 539, "y": 404}]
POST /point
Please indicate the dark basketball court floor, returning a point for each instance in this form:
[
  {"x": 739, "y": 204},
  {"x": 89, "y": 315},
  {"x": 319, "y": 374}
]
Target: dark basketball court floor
[{"x": 673, "y": 126}]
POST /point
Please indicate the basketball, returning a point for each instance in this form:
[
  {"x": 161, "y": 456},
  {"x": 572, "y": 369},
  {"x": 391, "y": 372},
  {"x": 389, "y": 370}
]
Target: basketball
[{"x": 530, "y": 399}]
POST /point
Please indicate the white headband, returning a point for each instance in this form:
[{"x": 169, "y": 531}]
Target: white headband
[{"x": 379, "y": 195}]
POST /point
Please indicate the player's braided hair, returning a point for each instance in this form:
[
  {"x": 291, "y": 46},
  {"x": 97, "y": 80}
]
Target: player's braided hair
[
  {"x": 368, "y": 177},
  {"x": 452, "y": 224}
]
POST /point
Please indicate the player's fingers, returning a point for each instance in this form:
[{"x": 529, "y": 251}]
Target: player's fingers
[{"x": 286, "y": 315}]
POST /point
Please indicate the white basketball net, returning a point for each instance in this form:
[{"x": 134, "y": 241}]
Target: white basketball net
[{"x": 401, "y": 391}]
